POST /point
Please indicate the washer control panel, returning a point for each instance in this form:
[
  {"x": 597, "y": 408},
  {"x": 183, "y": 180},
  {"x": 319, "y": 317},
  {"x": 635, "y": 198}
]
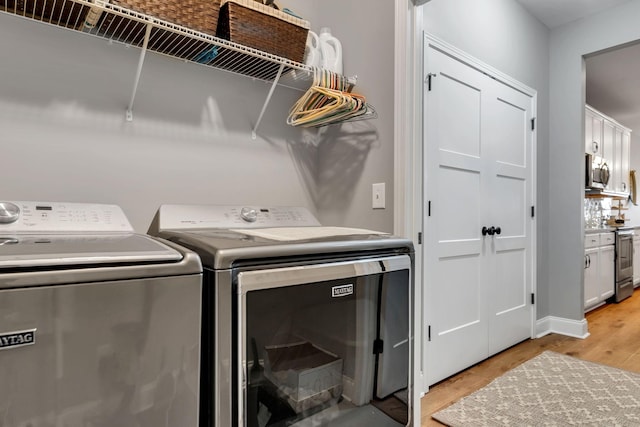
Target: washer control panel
[
  {"x": 46, "y": 217},
  {"x": 182, "y": 217}
]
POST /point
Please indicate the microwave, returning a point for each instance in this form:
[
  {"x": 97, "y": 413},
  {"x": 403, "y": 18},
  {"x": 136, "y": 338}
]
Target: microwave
[{"x": 596, "y": 174}]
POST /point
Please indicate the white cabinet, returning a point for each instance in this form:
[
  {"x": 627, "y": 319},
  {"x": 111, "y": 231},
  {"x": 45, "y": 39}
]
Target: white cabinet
[
  {"x": 591, "y": 277},
  {"x": 610, "y": 143},
  {"x": 591, "y": 240},
  {"x": 593, "y": 133},
  {"x": 607, "y": 282},
  {"x": 619, "y": 161},
  {"x": 615, "y": 160},
  {"x": 608, "y": 146},
  {"x": 599, "y": 269},
  {"x": 625, "y": 158},
  {"x": 636, "y": 259}
]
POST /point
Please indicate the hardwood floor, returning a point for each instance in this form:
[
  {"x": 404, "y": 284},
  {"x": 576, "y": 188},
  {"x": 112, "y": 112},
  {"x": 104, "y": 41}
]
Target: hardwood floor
[{"x": 614, "y": 340}]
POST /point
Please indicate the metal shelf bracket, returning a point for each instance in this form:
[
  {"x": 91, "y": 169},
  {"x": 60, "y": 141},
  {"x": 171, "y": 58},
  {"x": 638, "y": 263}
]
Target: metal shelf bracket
[
  {"x": 143, "y": 52},
  {"x": 266, "y": 102}
]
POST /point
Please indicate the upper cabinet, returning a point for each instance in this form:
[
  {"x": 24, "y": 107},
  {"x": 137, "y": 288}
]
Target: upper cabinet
[
  {"x": 593, "y": 133},
  {"x": 625, "y": 157},
  {"x": 609, "y": 142}
]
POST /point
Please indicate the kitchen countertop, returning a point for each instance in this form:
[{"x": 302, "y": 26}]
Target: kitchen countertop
[
  {"x": 610, "y": 229},
  {"x": 599, "y": 230}
]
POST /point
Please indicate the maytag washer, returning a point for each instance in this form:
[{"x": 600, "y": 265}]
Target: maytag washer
[
  {"x": 99, "y": 326},
  {"x": 303, "y": 325}
]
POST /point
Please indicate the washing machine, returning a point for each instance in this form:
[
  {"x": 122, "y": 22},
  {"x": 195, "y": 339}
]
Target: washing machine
[
  {"x": 99, "y": 326},
  {"x": 303, "y": 325}
]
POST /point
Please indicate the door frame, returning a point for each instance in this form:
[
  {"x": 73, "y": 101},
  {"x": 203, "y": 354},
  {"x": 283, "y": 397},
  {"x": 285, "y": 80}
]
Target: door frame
[
  {"x": 407, "y": 206},
  {"x": 409, "y": 162}
]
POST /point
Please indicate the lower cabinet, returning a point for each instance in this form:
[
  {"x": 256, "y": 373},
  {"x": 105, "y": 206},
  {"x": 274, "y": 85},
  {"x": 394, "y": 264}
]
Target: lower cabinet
[
  {"x": 591, "y": 277},
  {"x": 599, "y": 270}
]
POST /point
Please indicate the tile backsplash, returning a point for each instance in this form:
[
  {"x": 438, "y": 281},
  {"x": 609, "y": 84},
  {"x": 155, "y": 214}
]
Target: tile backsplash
[{"x": 596, "y": 212}]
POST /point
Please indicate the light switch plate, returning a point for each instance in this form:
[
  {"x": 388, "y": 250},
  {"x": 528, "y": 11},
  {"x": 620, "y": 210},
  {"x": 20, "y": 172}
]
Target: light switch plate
[{"x": 378, "y": 196}]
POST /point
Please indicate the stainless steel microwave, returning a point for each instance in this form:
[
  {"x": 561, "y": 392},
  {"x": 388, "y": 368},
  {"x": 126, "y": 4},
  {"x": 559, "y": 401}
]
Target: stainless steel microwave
[{"x": 596, "y": 175}]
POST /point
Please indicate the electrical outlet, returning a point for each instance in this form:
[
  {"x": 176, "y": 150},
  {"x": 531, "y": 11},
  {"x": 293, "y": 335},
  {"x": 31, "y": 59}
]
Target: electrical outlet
[{"x": 377, "y": 201}]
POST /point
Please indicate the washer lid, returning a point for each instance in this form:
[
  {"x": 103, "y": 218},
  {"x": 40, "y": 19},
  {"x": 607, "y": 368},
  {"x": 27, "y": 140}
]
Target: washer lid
[
  {"x": 55, "y": 250},
  {"x": 221, "y": 249},
  {"x": 291, "y": 234}
]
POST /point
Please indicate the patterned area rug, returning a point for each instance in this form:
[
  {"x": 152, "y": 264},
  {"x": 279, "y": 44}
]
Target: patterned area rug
[{"x": 552, "y": 389}]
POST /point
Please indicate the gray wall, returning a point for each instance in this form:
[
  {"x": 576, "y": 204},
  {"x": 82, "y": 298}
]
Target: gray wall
[
  {"x": 354, "y": 157},
  {"x": 63, "y": 134},
  {"x": 502, "y": 34},
  {"x": 569, "y": 44}
]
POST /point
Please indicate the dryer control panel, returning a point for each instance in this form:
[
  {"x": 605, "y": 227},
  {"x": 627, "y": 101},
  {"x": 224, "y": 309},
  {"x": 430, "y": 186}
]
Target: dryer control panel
[
  {"x": 184, "y": 217},
  {"x": 51, "y": 218}
]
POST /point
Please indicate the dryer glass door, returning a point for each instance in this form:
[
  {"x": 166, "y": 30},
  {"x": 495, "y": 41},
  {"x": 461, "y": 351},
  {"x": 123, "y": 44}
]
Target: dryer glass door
[{"x": 325, "y": 344}]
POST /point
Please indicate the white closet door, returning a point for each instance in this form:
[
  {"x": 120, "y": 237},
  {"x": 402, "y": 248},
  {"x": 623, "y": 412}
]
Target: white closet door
[
  {"x": 454, "y": 292},
  {"x": 509, "y": 139},
  {"x": 478, "y": 173}
]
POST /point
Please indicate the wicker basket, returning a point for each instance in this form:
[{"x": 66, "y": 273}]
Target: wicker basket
[
  {"x": 199, "y": 15},
  {"x": 261, "y": 27}
]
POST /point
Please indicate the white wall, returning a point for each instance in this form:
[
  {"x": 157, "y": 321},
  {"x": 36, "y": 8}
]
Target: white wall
[
  {"x": 569, "y": 44},
  {"x": 502, "y": 34},
  {"x": 63, "y": 135}
]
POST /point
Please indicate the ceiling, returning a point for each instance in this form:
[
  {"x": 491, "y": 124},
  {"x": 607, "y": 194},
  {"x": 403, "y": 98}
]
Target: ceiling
[
  {"x": 554, "y": 13},
  {"x": 613, "y": 84}
]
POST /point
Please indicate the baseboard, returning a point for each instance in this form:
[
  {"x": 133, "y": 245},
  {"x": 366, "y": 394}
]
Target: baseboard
[{"x": 559, "y": 325}]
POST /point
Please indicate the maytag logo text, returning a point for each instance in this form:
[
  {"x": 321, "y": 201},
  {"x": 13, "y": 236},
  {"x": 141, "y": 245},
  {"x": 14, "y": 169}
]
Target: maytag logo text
[
  {"x": 341, "y": 291},
  {"x": 17, "y": 339}
]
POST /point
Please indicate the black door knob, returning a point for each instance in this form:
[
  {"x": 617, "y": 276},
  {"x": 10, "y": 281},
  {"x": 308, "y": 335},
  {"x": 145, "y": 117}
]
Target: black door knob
[
  {"x": 498, "y": 231},
  {"x": 485, "y": 231},
  {"x": 491, "y": 231}
]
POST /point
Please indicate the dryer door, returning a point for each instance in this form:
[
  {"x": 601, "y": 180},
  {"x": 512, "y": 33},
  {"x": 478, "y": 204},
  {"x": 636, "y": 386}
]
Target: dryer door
[
  {"x": 308, "y": 338},
  {"x": 393, "y": 359}
]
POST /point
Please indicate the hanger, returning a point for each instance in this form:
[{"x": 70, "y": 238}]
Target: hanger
[{"x": 329, "y": 100}]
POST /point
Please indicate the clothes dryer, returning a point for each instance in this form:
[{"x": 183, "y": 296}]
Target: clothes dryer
[{"x": 303, "y": 325}]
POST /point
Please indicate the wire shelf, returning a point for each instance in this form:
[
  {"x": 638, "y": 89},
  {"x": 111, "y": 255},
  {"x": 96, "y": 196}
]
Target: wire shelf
[{"x": 112, "y": 22}]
